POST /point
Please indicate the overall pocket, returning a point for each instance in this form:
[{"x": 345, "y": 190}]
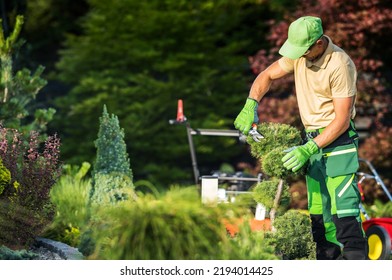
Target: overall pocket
[{"x": 341, "y": 160}]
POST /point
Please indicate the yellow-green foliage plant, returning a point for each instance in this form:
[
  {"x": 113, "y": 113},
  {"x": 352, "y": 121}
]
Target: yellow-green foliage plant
[
  {"x": 5, "y": 177},
  {"x": 70, "y": 196},
  {"x": 173, "y": 226}
]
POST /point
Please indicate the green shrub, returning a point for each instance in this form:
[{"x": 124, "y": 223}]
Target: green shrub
[
  {"x": 112, "y": 188},
  {"x": 173, "y": 227},
  {"x": 112, "y": 174},
  {"x": 291, "y": 234},
  {"x": 112, "y": 153},
  {"x": 293, "y": 239},
  {"x": 8, "y": 254},
  {"x": 20, "y": 86},
  {"x": 70, "y": 196},
  {"x": 272, "y": 164}
]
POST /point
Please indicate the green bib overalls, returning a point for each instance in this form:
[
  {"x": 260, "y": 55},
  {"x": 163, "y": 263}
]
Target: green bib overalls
[{"x": 333, "y": 198}]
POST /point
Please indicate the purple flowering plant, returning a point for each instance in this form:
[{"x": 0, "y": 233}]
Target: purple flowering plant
[{"x": 34, "y": 166}]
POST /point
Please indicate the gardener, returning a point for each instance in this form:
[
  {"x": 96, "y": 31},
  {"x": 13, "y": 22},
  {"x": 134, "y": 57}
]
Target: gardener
[{"x": 325, "y": 82}]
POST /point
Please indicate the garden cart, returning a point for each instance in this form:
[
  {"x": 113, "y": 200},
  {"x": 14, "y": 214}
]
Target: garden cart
[{"x": 378, "y": 230}]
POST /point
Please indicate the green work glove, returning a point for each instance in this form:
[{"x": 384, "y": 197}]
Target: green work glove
[
  {"x": 297, "y": 156},
  {"x": 247, "y": 116}
]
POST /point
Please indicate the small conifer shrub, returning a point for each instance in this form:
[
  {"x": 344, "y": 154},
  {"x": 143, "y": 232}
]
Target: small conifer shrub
[
  {"x": 112, "y": 174},
  {"x": 112, "y": 153}
]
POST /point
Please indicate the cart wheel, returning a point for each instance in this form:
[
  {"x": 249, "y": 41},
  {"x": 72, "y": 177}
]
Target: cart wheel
[{"x": 379, "y": 243}]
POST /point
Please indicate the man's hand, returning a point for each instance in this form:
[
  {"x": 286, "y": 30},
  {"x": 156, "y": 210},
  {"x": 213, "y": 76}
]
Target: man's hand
[
  {"x": 299, "y": 155},
  {"x": 247, "y": 116}
]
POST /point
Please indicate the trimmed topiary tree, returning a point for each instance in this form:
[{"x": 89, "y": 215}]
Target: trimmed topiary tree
[
  {"x": 274, "y": 193},
  {"x": 276, "y": 135}
]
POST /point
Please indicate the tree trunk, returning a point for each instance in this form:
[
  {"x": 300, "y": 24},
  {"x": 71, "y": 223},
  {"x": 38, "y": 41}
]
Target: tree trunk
[{"x": 276, "y": 204}]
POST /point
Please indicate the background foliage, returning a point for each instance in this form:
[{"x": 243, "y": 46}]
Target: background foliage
[
  {"x": 146, "y": 59},
  {"x": 142, "y": 57}
]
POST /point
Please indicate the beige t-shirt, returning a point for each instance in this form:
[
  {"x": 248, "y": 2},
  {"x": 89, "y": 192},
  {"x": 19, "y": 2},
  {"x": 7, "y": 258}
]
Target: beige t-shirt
[{"x": 317, "y": 83}]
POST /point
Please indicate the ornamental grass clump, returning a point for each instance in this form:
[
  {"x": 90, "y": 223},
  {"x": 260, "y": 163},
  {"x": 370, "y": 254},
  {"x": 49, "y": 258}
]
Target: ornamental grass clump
[
  {"x": 173, "y": 226},
  {"x": 70, "y": 196}
]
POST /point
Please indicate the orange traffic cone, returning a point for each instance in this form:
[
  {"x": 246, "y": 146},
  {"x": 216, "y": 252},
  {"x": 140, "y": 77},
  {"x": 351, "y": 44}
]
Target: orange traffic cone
[{"x": 180, "y": 112}]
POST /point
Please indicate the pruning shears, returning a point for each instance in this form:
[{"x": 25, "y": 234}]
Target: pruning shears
[{"x": 257, "y": 136}]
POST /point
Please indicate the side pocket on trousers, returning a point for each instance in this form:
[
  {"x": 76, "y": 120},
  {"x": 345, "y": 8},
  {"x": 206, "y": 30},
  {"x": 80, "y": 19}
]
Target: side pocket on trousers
[{"x": 341, "y": 160}]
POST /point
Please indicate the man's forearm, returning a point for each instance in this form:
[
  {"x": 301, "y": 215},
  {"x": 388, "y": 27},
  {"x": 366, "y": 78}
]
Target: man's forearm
[
  {"x": 260, "y": 86},
  {"x": 331, "y": 132},
  {"x": 263, "y": 81},
  {"x": 343, "y": 109}
]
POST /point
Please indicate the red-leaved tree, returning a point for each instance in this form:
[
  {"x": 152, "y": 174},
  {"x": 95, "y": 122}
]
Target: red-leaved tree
[{"x": 362, "y": 28}]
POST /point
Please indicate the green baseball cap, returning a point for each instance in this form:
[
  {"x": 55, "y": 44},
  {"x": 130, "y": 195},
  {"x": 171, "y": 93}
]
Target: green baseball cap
[{"x": 303, "y": 32}]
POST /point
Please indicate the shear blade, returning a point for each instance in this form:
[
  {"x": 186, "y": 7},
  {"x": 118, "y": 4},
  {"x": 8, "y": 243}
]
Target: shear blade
[{"x": 256, "y": 135}]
